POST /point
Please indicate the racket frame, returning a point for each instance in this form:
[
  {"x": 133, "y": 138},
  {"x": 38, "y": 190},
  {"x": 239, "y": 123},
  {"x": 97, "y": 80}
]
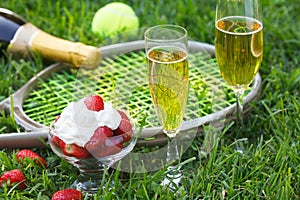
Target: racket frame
[{"x": 36, "y": 134}]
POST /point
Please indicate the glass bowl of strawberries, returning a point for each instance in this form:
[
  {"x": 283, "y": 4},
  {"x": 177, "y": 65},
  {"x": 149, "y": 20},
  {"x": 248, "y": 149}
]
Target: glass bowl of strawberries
[{"x": 92, "y": 135}]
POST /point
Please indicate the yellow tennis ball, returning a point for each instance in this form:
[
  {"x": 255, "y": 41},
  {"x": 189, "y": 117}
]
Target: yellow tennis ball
[{"x": 113, "y": 19}]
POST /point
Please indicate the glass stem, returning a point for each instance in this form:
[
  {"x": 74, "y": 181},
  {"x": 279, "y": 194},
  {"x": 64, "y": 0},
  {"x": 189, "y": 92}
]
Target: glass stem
[
  {"x": 172, "y": 150},
  {"x": 239, "y": 121},
  {"x": 90, "y": 177},
  {"x": 239, "y": 109},
  {"x": 174, "y": 175}
]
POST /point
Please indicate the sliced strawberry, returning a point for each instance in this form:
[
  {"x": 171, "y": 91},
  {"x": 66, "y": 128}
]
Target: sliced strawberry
[
  {"x": 106, "y": 150},
  {"x": 94, "y": 102},
  {"x": 123, "y": 115},
  {"x": 13, "y": 176},
  {"x": 112, "y": 141},
  {"x": 125, "y": 128},
  {"x": 127, "y": 136},
  {"x": 57, "y": 141},
  {"x": 71, "y": 149},
  {"x": 67, "y": 194},
  {"x": 58, "y": 116},
  {"x": 109, "y": 146},
  {"x": 75, "y": 151},
  {"x": 100, "y": 135},
  {"x": 26, "y": 153}
]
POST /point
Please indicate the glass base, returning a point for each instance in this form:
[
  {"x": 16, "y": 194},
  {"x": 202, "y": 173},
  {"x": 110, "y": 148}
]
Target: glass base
[
  {"x": 90, "y": 183},
  {"x": 173, "y": 178},
  {"x": 87, "y": 187}
]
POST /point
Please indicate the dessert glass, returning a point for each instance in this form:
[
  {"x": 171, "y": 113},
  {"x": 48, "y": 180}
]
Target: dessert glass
[{"x": 92, "y": 169}]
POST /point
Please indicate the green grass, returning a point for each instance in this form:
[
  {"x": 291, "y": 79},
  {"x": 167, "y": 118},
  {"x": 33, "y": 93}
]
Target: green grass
[{"x": 269, "y": 169}]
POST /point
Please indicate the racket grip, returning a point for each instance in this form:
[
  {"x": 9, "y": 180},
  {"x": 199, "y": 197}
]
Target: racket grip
[
  {"x": 32, "y": 139},
  {"x": 30, "y": 38}
]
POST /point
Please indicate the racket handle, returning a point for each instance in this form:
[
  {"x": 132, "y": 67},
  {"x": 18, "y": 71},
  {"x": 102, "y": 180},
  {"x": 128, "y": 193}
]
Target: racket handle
[{"x": 24, "y": 140}]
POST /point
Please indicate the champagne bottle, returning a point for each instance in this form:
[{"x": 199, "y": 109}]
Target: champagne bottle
[{"x": 18, "y": 37}]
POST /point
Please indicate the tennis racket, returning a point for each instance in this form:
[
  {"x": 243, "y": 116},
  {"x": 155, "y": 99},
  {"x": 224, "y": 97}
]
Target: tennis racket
[{"x": 122, "y": 79}]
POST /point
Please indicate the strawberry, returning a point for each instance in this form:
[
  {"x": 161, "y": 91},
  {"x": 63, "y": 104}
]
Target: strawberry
[
  {"x": 57, "y": 141},
  {"x": 123, "y": 115},
  {"x": 75, "y": 150},
  {"x": 67, "y": 194},
  {"x": 58, "y": 116},
  {"x": 112, "y": 141},
  {"x": 13, "y": 176},
  {"x": 124, "y": 128},
  {"x": 103, "y": 144},
  {"x": 70, "y": 149},
  {"x": 26, "y": 153},
  {"x": 106, "y": 150},
  {"x": 94, "y": 102},
  {"x": 100, "y": 134},
  {"x": 127, "y": 136}
]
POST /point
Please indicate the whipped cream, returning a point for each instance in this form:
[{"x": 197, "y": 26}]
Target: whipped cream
[{"x": 77, "y": 123}]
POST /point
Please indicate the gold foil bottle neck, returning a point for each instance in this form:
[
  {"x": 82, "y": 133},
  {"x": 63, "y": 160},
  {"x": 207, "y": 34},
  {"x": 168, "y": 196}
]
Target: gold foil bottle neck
[
  {"x": 30, "y": 38},
  {"x": 85, "y": 56}
]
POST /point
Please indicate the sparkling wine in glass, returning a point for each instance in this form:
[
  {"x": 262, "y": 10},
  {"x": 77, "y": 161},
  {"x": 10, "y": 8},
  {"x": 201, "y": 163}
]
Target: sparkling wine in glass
[
  {"x": 167, "y": 63},
  {"x": 238, "y": 45}
]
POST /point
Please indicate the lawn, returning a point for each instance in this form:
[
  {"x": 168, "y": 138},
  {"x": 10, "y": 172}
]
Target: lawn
[{"x": 270, "y": 166}]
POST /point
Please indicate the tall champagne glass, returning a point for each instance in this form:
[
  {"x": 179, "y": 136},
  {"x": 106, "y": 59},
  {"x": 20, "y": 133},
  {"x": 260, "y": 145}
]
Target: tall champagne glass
[
  {"x": 167, "y": 63},
  {"x": 238, "y": 45}
]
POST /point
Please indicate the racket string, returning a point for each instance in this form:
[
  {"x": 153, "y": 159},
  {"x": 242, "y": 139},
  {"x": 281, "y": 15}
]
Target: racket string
[{"x": 122, "y": 80}]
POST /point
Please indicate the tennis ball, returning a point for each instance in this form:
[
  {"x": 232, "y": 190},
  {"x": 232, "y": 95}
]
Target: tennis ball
[{"x": 113, "y": 19}]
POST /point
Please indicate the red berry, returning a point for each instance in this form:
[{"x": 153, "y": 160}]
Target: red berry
[
  {"x": 113, "y": 141},
  {"x": 67, "y": 194},
  {"x": 106, "y": 150},
  {"x": 70, "y": 149},
  {"x": 57, "y": 141},
  {"x": 100, "y": 135},
  {"x": 13, "y": 176},
  {"x": 58, "y": 116},
  {"x": 123, "y": 115},
  {"x": 103, "y": 144},
  {"x": 125, "y": 128},
  {"x": 75, "y": 151},
  {"x": 127, "y": 136},
  {"x": 94, "y": 102},
  {"x": 26, "y": 153}
]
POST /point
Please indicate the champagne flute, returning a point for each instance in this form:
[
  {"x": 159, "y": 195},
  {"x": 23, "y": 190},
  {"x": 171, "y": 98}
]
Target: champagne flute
[
  {"x": 238, "y": 45},
  {"x": 167, "y": 64}
]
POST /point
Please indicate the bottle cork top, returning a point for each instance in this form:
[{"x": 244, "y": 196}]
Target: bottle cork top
[{"x": 85, "y": 56}]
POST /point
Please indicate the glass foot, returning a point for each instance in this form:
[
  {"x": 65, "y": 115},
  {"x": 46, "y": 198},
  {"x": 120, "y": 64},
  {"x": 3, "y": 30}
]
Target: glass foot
[
  {"x": 87, "y": 187},
  {"x": 173, "y": 178},
  {"x": 241, "y": 145},
  {"x": 90, "y": 183}
]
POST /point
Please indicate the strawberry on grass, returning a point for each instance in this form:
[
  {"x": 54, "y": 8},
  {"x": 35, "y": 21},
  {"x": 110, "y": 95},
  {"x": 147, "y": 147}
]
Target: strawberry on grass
[
  {"x": 13, "y": 176},
  {"x": 26, "y": 153},
  {"x": 67, "y": 194}
]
